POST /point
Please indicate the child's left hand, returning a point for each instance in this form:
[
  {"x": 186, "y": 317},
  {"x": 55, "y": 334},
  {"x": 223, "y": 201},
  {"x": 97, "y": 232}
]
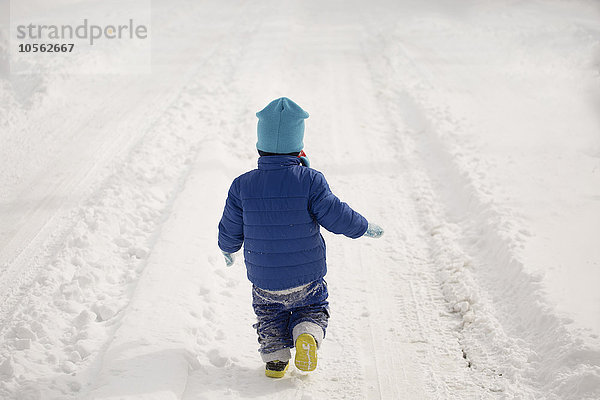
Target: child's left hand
[
  {"x": 229, "y": 259},
  {"x": 374, "y": 231}
]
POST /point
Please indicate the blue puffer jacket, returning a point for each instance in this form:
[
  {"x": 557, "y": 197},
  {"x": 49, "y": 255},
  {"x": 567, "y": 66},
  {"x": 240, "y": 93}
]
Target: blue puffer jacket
[{"x": 276, "y": 211}]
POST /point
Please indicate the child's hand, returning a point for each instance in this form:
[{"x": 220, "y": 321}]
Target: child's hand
[
  {"x": 229, "y": 259},
  {"x": 374, "y": 231}
]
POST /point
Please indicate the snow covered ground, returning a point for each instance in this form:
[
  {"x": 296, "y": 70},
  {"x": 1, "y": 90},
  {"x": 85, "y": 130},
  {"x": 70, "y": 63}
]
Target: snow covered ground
[{"x": 468, "y": 130}]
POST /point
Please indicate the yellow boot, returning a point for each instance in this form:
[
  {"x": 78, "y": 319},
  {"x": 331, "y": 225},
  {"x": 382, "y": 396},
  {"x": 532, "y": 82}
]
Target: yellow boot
[
  {"x": 306, "y": 352},
  {"x": 276, "y": 369}
]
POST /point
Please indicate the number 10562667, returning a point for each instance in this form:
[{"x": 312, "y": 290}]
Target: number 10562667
[{"x": 46, "y": 48}]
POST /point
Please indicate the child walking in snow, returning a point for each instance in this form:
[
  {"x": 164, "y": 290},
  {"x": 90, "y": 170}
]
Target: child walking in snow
[{"x": 276, "y": 211}]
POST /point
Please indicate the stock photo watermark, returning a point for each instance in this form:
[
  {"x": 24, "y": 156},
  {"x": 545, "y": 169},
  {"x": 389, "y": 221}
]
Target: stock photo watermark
[
  {"x": 90, "y": 38},
  {"x": 86, "y": 31}
]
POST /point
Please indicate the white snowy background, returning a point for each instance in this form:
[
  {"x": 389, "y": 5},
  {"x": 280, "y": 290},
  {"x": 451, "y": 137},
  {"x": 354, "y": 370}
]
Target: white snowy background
[{"x": 469, "y": 130}]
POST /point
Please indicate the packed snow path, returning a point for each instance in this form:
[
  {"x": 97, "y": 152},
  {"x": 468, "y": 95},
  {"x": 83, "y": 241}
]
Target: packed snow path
[{"x": 112, "y": 284}]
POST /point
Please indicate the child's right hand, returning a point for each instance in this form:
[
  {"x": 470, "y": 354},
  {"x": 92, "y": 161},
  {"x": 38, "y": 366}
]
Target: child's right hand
[
  {"x": 229, "y": 259},
  {"x": 374, "y": 231}
]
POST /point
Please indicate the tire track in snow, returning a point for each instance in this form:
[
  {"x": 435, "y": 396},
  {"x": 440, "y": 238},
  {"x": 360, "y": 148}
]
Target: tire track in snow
[
  {"x": 449, "y": 263},
  {"x": 385, "y": 295},
  {"x": 402, "y": 321}
]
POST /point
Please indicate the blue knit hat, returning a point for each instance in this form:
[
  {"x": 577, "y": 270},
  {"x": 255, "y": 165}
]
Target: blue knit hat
[{"x": 281, "y": 127}]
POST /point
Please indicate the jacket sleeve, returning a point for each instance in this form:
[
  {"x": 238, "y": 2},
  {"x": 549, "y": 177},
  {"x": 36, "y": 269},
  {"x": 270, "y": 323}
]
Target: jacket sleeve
[
  {"x": 231, "y": 227},
  {"x": 333, "y": 214}
]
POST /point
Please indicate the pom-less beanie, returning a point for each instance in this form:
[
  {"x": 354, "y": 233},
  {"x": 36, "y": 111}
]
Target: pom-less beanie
[{"x": 281, "y": 127}]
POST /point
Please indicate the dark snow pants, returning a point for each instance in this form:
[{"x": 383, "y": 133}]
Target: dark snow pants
[{"x": 283, "y": 315}]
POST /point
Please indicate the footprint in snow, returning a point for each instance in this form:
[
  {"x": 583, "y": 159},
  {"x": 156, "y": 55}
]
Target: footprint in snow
[{"x": 216, "y": 359}]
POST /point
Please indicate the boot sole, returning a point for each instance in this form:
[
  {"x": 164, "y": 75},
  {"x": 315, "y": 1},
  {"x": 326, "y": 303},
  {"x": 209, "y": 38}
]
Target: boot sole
[{"x": 306, "y": 353}]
